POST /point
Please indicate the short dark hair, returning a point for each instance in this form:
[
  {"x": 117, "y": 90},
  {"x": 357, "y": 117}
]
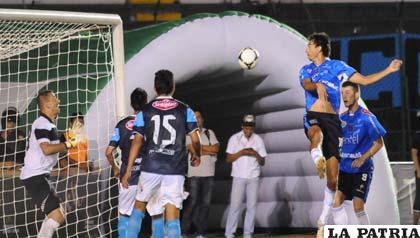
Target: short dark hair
[
  {"x": 138, "y": 99},
  {"x": 198, "y": 109},
  {"x": 323, "y": 40},
  {"x": 355, "y": 86},
  {"x": 164, "y": 82},
  {"x": 10, "y": 114},
  {"x": 42, "y": 93}
]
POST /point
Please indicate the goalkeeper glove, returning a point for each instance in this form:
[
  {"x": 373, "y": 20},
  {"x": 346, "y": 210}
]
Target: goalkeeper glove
[{"x": 72, "y": 142}]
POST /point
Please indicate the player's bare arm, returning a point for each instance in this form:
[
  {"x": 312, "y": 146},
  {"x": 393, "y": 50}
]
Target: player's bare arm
[
  {"x": 308, "y": 85},
  {"x": 358, "y": 78},
  {"x": 196, "y": 146},
  {"x": 111, "y": 160},
  {"x": 134, "y": 151},
  {"x": 49, "y": 149},
  {"x": 377, "y": 145}
]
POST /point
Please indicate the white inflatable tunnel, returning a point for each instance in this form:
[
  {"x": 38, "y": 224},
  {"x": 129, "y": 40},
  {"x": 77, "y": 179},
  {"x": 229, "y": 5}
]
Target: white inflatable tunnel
[{"x": 202, "y": 53}]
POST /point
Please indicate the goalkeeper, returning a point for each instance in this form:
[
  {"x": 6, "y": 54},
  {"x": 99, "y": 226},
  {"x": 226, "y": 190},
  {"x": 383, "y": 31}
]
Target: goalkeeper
[
  {"x": 76, "y": 156},
  {"x": 41, "y": 156}
]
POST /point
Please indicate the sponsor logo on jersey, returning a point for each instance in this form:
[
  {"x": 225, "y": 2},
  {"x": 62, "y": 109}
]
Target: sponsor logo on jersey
[
  {"x": 313, "y": 122},
  {"x": 165, "y": 104},
  {"x": 352, "y": 139},
  {"x": 329, "y": 84},
  {"x": 365, "y": 111},
  {"x": 129, "y": 124}
]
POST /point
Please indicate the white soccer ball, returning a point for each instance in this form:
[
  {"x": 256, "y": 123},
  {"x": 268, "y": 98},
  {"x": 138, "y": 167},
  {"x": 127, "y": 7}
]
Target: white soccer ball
[{"x": 248, "y": 58}]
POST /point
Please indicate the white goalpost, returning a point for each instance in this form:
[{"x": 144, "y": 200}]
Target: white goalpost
[{"x": 80, "y": 57}]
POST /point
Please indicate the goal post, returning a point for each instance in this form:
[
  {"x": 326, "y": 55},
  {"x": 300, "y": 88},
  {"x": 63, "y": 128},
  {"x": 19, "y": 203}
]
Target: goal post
[
  {"x": 80, "y": 57},
  {"x": 80, "y": 18}
]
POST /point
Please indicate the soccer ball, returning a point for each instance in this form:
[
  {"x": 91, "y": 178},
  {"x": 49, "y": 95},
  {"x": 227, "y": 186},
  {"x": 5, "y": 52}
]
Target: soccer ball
[{"x": 248, "y": 58}]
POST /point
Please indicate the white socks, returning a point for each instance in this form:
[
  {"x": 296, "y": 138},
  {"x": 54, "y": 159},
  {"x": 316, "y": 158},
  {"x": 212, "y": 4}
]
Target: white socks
[
  {"x": 49, "y": 226},
  {"x": 316, "y": 154},
  {"x": 351, "y": 215},
  {"x": 340, "y": 215},
  {"x": 363, "y": 218},
  {"x": 328, "y": 202},
  {"x": 345, "y": 215}
]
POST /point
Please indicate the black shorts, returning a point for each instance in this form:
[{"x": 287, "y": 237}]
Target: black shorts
[
  {"x": 43, "y": 196},
  {"x": 330, "y": 125},
  {"x": 416, "y": 206},
  {"x": 354, "y": 185}
]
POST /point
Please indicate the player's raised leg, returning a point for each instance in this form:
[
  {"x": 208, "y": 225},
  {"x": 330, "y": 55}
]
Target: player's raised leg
[{"x": 315, "y": 136}]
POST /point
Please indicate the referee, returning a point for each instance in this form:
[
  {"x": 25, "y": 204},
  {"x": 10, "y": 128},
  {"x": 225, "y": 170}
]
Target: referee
[{"x": 41, "y": 156}]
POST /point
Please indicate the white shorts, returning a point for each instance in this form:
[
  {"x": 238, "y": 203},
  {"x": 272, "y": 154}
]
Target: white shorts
[
  {"x": 159, "y": 190},
  {"x": 154, "y": 207},
  {"x": 126, "y": 199}
]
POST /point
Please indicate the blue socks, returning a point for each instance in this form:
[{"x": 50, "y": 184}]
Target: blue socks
[
  {"x": 158, "y": 228},
  {"x": 122, "y": 225},
  {"x": 174, "y": 228},
  {"x": 134, "y": 223}
]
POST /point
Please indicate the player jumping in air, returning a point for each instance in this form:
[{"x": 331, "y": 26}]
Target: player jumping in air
[{"x": 321, "y": 81}]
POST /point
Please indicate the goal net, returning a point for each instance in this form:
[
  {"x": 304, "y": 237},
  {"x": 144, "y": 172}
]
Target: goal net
[{"x": 79, "y": 57}]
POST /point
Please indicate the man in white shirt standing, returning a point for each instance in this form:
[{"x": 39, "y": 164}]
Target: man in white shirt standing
[
  {"x": 200, "y": 180},
  {"x": 41, "y": 156},
  {"x": 246, "y": 152}
]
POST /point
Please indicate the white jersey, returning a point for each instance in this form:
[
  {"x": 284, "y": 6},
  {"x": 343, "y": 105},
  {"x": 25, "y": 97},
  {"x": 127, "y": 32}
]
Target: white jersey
[{"x": 36, "y": 162}]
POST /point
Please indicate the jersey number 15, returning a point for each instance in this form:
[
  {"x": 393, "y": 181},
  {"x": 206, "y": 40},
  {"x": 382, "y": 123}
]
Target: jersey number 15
[{"x": 167, "y": 126}]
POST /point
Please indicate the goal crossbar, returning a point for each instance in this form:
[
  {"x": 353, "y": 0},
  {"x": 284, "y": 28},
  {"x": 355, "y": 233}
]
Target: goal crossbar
[{"x": 84, "y": 18}]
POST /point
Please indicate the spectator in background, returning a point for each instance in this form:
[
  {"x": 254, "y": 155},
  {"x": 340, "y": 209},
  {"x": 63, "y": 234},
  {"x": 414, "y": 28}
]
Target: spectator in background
[
  {"x": 200, "y": 180},
  {"x": 415, "y": 148},
  {"x": 78, "y": 155},
  {"x": 12, "y": 140},
  {"x": 246, "y": 151}
]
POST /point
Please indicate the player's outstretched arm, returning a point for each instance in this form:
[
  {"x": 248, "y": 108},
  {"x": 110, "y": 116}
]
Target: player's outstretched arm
[
  {"x": 134, "y": 151},
  {"x": 377, "y": 145},
  {"x": 49, "y": 149},
  {"x": 358, "y": 78},
  {"x": 111, "y": 160}
]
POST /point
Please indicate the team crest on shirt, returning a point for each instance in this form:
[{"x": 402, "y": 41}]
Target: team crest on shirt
[
  {"x": 343, "y": 124},
  {"x": 165, "y": 104},
  {"x": 365, "y": 111},
  {"x": 129, "y": 124}
]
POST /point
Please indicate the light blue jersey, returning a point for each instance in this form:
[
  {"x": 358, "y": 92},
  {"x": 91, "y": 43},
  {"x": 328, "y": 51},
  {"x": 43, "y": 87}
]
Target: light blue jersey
[
  {"x": 360, "y": 131},
  {"x": 331, "y": 73}
]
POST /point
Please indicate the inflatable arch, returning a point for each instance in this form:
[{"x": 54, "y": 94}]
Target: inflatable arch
[{"x": 202, "y": 51}]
